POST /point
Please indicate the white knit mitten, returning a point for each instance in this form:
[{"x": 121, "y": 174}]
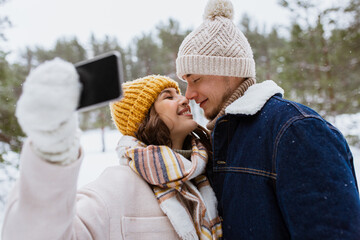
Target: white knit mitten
[{"x": 46, "y": 111}]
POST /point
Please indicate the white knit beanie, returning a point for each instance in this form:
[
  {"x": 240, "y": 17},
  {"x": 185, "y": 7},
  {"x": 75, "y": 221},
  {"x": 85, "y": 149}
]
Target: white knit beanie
[{"x": 217, "y": 46}]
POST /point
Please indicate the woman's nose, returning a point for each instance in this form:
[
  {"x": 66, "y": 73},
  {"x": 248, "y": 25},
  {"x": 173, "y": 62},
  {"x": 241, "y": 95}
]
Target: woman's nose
[{"x": 183, "y": 100}]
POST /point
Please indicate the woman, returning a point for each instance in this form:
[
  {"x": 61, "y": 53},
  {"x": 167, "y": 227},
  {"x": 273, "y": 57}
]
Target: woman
[{"x": 156, "y": 192}]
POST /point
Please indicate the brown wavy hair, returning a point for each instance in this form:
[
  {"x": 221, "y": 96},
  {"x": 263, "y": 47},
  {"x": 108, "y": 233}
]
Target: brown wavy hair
[{"x": 153, "y": 131}]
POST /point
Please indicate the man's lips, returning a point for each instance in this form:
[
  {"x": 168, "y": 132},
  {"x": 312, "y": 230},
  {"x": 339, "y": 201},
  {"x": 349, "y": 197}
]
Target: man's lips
[{"x": 203, "y": 103}]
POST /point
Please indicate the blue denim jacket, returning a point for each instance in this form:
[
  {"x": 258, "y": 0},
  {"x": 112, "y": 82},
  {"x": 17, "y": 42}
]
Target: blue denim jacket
[{"x": 280, "y": 171}]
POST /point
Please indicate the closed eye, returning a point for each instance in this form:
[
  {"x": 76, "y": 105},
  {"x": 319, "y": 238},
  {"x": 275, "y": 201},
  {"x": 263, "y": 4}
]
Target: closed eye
[
  {"x": 196, "y": 80},
  {"x": 168, "y": 93}
]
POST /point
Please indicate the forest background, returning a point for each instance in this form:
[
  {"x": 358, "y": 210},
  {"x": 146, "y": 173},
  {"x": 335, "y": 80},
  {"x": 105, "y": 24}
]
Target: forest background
[{"x": 316, "y": 61}]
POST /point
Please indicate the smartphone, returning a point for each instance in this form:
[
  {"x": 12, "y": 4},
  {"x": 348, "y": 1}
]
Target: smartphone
[{"x": 101, "y": 78}]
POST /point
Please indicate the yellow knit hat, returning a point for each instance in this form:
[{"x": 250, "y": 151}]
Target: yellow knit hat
[{"x": 138, "y": 97}]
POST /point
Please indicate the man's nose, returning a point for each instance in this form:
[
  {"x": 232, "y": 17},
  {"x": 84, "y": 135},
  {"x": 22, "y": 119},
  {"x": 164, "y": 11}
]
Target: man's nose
[{"x": 190, "y": 93}]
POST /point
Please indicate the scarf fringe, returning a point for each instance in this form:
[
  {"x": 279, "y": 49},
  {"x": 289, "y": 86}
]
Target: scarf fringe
[
  {"x": 179, "y": 218},
  {"x": 190, "y": 236}
]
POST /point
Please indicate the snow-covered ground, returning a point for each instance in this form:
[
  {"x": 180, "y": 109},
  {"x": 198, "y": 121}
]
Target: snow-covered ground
[{"x": 96, "y": 161}]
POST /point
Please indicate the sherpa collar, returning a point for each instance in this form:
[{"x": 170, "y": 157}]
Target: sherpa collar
[{"x": 254, "y": 98}]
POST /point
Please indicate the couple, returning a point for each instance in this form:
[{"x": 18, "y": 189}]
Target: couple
[{"x": 276, "y": 169}]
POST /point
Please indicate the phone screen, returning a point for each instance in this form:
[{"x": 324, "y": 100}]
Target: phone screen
[{"x": 101, "y": 78}]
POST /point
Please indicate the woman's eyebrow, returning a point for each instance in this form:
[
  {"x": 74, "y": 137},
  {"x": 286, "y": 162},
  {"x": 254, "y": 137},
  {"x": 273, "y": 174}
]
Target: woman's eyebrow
[{"x": 165, "y": 91}]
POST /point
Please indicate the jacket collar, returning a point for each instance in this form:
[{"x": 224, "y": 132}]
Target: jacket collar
[{"x": 254, "y": 98}]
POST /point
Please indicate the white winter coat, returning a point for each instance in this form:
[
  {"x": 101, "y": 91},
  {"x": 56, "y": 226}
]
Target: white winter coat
[{"x": 45, "y": 204}]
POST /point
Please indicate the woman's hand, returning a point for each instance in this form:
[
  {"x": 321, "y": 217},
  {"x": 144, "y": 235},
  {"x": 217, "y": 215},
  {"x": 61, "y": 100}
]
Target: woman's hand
[{"x": 46, "y": 111}]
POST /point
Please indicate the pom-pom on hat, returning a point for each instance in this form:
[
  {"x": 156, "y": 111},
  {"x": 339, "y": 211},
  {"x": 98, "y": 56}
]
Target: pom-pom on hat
[
  {"x": 138, "y": 96},
  {"x": 217, "y": 46}
]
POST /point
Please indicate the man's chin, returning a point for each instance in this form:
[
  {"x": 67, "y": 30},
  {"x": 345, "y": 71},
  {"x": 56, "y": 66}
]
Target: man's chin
[{"x": 210, "y": 116}]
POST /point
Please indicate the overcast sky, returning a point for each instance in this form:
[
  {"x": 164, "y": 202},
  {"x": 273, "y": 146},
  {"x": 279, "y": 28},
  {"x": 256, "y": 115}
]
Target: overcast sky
[{"x": 42, "y": 22}]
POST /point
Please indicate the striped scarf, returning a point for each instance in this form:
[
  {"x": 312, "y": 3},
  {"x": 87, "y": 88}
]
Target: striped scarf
[{"x": 183, "y": 192}]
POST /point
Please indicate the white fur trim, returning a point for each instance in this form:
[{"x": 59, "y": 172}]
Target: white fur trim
[
  {"x": 222, "y": 8},
  {"x": 254, "y": 98}
]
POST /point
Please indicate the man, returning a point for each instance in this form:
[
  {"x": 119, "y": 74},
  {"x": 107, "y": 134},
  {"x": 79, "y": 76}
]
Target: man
[{"x": 280, "y": 171}]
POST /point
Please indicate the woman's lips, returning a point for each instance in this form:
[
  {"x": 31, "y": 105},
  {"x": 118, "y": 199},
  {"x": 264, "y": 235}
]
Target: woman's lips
[{"x": 185, "y": 111}]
